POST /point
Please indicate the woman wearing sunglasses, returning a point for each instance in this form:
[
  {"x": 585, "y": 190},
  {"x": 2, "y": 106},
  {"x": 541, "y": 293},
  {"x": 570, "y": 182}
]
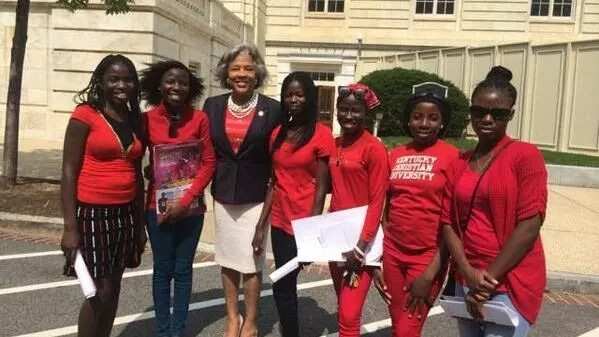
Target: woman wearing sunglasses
[
  {"x": 359, "y": 175},
  {"x": 300, "y": 150},
  {"x": 494, "y": 206},
  {"x": 413, "y": 257},
  {"x": 170, "y": 88}
]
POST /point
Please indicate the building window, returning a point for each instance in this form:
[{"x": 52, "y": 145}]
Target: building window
[
  {"x": 329, "y": 6},
  {"x": 442, "y": 7},
  {"x": 316, "y": 5},
  {"x": 336, "y": 6},
  {"x": 322, "y": 76},
  {"x": 551, "y": 8}
]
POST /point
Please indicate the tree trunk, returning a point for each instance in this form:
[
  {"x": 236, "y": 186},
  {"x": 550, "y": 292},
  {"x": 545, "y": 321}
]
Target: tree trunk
[{"x": 13, "y": 99}]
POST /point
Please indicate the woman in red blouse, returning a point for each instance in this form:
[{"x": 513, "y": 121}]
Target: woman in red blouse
[
  {"x": 495, "y": 204},
  {"x": 359, "y": 173},
  {"x": 170, "y": 88},
  {"x": 412, "y": 256},
  {"x": 102, "y": 187},
  {"x": 300, "y": 149}
]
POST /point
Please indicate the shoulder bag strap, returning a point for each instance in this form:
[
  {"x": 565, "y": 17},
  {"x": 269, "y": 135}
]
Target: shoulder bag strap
[{"x": 461, "y": 228}]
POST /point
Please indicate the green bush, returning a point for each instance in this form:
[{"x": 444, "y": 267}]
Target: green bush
[{"x": 394, "y": 87}]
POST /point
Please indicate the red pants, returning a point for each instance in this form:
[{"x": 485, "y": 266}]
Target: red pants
[
  {"x": 398, "y": 273},
  {"x": 350, "y": 300}
]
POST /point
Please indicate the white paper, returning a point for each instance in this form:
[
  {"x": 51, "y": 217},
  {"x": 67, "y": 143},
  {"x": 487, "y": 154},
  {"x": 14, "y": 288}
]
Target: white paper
[
  {"x": 324, "y": 238},
  {"x": 285, "y": 269},
  {"x": 87, "y": 283},
  {"x": 493, "y": 311}
]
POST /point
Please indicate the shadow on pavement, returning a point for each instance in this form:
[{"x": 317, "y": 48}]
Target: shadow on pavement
[{"x": 314, "y": 320}]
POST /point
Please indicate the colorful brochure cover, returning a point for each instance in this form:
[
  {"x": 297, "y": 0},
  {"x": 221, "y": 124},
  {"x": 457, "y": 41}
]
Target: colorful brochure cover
[{"x": 175, "y": 167}]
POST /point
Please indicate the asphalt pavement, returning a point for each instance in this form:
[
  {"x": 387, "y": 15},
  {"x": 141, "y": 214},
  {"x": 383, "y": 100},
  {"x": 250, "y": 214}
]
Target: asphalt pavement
[{"x": 36, "y": 300}]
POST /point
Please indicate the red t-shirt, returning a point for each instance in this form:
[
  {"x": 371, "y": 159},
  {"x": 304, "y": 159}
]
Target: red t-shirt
[
  {"x": 416, "y": 190},
  {"x": 107, "y": 175},
  {"x": 237, "y": 128},
  {"x": 481, "y": 245},
  {"x": 295, "y": 173},
  {"x": 359, "y": 174},
  {"x": 192, "y": 127}
]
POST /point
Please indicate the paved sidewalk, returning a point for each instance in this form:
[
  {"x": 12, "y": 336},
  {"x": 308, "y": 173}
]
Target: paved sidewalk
[
  {"x": 571, "y": 231},
  {"x": 37, "y": 160}
]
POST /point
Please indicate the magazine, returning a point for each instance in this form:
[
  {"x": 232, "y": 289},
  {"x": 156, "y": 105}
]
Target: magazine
[{"x": 175, "y": 167}]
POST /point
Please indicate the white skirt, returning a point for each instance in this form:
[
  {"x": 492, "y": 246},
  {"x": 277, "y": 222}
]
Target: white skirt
[{"x": 235, "y": 228}]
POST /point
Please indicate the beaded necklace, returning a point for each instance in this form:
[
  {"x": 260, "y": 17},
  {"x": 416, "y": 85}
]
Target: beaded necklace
[{"x": 243, "y": 110}]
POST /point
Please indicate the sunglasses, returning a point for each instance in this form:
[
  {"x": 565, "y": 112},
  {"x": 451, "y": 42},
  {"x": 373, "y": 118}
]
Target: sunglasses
[
  {"x": 433, "y": 89},
  {"x": 498, "y": 114},
  {"x": 346, "y": 91}
]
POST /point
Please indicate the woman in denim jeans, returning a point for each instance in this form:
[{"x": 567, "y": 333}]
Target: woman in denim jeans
[
  {"x": 495, "y": 202},
  {"x": 170, "y": 88}
]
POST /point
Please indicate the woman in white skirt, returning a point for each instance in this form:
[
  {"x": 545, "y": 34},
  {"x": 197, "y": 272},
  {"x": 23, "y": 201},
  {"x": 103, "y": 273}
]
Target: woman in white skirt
[{"x": 241, "y": 122}]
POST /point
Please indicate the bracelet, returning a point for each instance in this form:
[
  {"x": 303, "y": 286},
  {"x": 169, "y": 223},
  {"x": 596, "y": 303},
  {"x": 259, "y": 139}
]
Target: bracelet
[{"x": 359, "y": 251}]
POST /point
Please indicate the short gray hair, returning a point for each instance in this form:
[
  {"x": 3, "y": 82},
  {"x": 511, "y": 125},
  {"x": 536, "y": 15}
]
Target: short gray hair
[{"x": 222, "y": 69}]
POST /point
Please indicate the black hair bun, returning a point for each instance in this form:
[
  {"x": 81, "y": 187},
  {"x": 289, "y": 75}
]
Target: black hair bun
[{"x": 499, "y": 73}]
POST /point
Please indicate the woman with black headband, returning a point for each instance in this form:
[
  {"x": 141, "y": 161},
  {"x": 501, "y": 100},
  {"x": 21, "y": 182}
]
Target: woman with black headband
[
  {"x": 413, "y": 255},
  {"x": 359, "y": 173}
]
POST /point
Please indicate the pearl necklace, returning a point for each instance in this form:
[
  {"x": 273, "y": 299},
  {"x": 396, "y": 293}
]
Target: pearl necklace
[{"x": 244, "y": 110}]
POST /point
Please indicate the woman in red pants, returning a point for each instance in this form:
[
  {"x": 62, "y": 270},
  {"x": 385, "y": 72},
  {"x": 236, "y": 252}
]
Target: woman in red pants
[
  {"x": 413, "y": 259},
  {"x": 359, "y": 173}
]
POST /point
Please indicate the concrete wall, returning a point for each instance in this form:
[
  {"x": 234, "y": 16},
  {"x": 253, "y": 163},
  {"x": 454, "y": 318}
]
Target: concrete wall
[
  {"x": 556, "y": 83},
  {"x": 63, "y": 49}
]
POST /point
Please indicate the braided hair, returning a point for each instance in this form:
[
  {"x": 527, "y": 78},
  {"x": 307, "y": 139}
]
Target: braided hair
[
  {"x": 310, "y": 112},
  {"x": 498, "y": 79},
  {"x": 93, "y": 93}
]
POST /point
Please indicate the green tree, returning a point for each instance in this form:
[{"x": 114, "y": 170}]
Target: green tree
[
  {"x": 13, "y": 97},
  {"x": 394, "y": 87}
]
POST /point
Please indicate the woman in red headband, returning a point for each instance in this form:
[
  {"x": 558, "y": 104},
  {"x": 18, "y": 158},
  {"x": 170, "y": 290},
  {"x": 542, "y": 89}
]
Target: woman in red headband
[
  {"x": 359, "y": 172},
  {"x": 413, "y": 259}
]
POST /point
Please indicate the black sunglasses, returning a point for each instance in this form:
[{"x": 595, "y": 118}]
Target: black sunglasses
[
  {"x": 346, "y": 91},
  {"x": 433, "y": 89},
  {"x": 498, "y": 114}
]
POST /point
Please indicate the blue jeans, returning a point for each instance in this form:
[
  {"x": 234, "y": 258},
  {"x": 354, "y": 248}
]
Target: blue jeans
[
  {"x": 173, "y": 249},
  {"x": 471, "y": 328}
]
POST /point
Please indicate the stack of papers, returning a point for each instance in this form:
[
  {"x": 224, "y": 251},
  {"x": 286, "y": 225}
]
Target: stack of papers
[
  {"x": 493, "y": 311},
  {"x": 324, "y": 238}
]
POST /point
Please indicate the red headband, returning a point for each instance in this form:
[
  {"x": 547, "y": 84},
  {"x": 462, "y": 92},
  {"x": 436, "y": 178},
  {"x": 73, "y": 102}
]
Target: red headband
[{"x": 370, "y": 98}]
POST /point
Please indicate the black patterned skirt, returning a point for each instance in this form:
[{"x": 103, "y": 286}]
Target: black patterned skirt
[{"x": 107, "y": 237}]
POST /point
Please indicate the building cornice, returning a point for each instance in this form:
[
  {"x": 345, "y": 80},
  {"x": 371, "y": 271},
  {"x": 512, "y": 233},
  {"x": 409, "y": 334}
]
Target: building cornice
[{"x": 333, "y": 45}]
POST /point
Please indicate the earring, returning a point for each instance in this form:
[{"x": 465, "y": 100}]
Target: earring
[{"x": 442, "y": 126}]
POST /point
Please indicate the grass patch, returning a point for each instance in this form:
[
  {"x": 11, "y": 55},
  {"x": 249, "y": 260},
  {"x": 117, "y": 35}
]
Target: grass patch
[{"x": 551, "y": 157}]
